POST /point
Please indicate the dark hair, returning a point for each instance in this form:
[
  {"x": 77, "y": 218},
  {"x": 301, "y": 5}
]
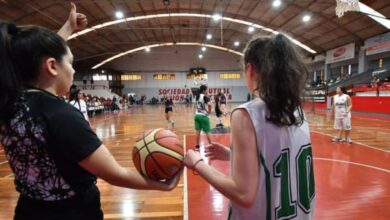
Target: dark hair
[
  {"x": 202, "y": 89},
  {"x": 343, "y": 89},
  {"x": 216, "y": 98},
  {"x": 282, "y": 76},
  {"x": 22, "y": 50},
  {"x": 74, "y": 94}
]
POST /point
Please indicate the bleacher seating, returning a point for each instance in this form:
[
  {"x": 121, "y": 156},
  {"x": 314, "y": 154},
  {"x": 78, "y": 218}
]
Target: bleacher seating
[{"x": 359, "y": 79}]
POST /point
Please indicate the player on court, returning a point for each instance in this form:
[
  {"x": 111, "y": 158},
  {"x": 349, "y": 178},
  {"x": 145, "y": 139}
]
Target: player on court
[
  {"x": 342, "y": 105},
  {"x": 51, "y": 149},
  {"x": 270, "y": 151},
  {"x": 223, "y": 102},
  {"x": 169, "y": 112},
  {"x": 217, "y": 109},
  {"x": 201, "y": 119},
  {"x": 76, "y": 99}
]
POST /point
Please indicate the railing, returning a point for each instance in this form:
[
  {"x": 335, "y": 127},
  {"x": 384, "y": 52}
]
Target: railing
[
  {"x": 366, "y": 90},
  {"x": 91, "y": 86},
  {"x": 361, "y": 78}
]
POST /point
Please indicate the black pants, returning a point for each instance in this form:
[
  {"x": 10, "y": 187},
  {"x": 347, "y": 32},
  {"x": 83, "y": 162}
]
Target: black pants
[{"x": 82, "y": 207}]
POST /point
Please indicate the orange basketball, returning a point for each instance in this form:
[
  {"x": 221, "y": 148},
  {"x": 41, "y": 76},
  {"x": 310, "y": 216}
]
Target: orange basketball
[{"x": 158, "y": 154}]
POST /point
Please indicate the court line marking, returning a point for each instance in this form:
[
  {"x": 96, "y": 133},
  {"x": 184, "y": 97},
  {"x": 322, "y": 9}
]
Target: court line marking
[
  {"x": 102, "y": 120},
  {"x": 3, "y": 162},
  {"x": 354, "y": 142},
  {"x": 185, "y": 205},
  {"x": 354, "y": 163},
  {"x": 358, "y": 116}
]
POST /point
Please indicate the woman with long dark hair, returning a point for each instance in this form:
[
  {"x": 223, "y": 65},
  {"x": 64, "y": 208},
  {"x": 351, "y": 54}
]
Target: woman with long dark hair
[
  {"x": 342, "y": 105},
  {"x": 270, "y": 151},
  {"x": 201, "y": 119},
  {"x": 218, "y": 109},
  {"x": 169, "y": 112},
  {"x": 50, "y": 147},
  {"x": 76, "y": 98}
]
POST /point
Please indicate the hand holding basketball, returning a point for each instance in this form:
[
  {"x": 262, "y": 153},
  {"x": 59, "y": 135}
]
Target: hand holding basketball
[
  {"x": 217, "y": 151},
  {"x": 158, "y": 154},
  {"x": 172, "y": 183}
]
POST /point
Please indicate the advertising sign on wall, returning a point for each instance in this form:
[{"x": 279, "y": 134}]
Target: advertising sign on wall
[
  {"x": 179, "y": 94},
  {"x": 345, "y": 52},
  {"x": 315, "y": 94},
  {"x": 378, "y": 44}
]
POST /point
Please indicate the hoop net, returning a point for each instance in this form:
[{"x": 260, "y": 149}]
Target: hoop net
[{"x": 345, "y": 6}]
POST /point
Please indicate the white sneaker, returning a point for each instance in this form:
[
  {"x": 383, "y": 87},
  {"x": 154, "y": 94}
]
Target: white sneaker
[
  {"x": 348, "y": 140},
  {"x": 336, "y": 139}
]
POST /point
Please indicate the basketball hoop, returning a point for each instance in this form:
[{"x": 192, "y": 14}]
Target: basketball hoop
[
  {"x": 345, "y": 6},
  {"x": 198, "y": 81}
]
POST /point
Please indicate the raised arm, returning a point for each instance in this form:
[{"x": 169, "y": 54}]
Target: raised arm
[{"x": 75, "y": 22}]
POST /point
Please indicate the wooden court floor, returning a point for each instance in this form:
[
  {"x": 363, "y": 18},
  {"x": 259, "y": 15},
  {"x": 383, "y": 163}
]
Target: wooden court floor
[{"x": 352, "y": 180}]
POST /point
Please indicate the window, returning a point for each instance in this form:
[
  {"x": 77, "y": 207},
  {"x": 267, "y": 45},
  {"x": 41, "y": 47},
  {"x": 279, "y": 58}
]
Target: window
[
  {"x": 229, "y": 76},
  {"x": 164, "y": 76},
  {"x": 131, "y": 77},
  {"x": 196, "y": 75},
  {"x": 99, "y": 78}
]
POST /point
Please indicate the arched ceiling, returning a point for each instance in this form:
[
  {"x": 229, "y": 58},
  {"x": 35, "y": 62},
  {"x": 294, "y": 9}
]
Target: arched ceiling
[{"x": 323, "y": 32}]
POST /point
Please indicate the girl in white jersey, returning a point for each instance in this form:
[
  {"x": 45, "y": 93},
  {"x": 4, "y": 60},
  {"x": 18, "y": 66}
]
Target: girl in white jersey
[
  {"x": 342, "y": 106},
  {"x": 270, "y": 151},
  {"x": 76, "y": 98}
]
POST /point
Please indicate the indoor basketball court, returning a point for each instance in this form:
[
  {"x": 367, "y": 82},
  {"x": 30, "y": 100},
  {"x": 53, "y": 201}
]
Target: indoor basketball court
[{"x": 139, "y": 66}]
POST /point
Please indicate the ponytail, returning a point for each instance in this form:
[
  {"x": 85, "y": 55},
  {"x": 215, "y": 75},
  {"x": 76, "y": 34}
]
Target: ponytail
[
  {"x": 10, "y": 85},
  {"x": 22, "y": 51},
  {"x": 282, "y": 77}
]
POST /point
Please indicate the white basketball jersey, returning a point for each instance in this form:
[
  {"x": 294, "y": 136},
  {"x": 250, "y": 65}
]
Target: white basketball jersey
[
  {"x": 340, "y": 105},
  {"x": 201, "y": 105},
  {"x": 286, "y": 187}
]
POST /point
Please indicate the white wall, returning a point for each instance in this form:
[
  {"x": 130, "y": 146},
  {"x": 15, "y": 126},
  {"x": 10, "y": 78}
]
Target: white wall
[
  {"x": 238, "y": 94},
  {"x": 150, "y": 87},
  {"x": 176, "y": 58}
]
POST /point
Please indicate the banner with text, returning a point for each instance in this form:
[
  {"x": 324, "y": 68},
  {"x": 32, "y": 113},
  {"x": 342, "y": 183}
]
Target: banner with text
[
  {"x": 315, "y": 94},
  {"x": 179, "y": 94},
  {"x": 378, "y": 44},
  {"x": 345, "y": 52}
]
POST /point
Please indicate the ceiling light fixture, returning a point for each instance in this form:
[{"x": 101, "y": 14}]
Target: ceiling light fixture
[
  {"x": 306, "y": 18},
  {"x": 276, "y": 3},
  {"x": 216, "y": 17},
  {"x": 166, "y": 2},
  {"x": 119, "y": 14}
]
